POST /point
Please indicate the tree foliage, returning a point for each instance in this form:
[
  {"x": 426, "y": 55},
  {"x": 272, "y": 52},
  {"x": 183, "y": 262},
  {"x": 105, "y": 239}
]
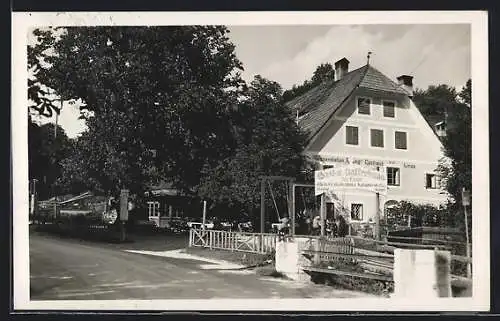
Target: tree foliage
[
  {"x": 323, "y": 72},
  {"x": 45, "y": 152},
  {"x": 39, "y": 96},
  {"x": 444, "y": 103},
  {"x": 458, "y": 147},
  {"x": 159, "y": 99},
  {"x": 268, "y": 143}
]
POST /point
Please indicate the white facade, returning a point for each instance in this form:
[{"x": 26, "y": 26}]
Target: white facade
[{"x": 411, "y": 162}]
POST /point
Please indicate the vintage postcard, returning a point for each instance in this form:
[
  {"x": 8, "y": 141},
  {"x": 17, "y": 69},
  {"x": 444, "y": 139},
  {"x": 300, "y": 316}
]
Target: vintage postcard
[{"x": 250, "y": 161}]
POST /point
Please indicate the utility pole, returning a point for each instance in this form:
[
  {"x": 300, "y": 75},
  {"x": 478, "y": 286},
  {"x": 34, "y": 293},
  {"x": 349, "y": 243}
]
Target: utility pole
[
  {"x": 322, "y": 212},
  {"x": 377, "y": 217}
]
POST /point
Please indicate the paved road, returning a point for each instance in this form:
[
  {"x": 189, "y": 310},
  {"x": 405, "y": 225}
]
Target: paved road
[{"x": 70, "y": 269}]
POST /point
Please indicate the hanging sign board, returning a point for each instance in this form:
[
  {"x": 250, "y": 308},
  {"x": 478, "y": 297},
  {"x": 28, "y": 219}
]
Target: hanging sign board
[
  {"x": 466, "y": 196},
  {"x": 350, "y": 177}
]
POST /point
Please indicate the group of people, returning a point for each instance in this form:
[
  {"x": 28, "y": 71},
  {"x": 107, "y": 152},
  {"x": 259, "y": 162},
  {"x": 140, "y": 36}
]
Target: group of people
[
  {"x": 311, "y": 225},
  {"x": 336, "y": 228}
]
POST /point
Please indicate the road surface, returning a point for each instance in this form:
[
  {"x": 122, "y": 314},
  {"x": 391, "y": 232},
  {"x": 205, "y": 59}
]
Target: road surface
[{"x": 68, "y": 269}]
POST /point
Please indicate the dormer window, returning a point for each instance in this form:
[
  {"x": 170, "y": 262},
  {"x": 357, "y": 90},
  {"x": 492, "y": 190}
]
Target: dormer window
[{"x": 363, "y": 105}]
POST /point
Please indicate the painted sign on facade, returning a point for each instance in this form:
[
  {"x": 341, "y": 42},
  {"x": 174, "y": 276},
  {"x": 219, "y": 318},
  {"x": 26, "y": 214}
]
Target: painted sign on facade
[
  {"x": 348, "y": 177},
  {"x": 349, "y": 160}
]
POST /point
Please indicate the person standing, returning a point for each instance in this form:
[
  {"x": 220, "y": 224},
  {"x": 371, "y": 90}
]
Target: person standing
[
  {"x": 342, "y": 227},
  {"x": 316, "y": 225}
]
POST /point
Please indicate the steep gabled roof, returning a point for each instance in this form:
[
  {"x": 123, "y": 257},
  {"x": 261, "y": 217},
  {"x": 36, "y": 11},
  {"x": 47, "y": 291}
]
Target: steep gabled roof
[
  {"x": 376, "y": 80},
  {"x": 318, "y": 105}
]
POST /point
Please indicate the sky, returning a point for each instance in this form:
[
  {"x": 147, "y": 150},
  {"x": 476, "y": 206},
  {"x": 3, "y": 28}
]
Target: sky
[{"x": 432, "y": 54}]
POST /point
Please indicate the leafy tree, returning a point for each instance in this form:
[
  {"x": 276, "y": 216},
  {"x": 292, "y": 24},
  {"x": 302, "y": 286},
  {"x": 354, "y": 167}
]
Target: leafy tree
[
  {"x": 45, "y": 152},
  {"x": 158, "y": 99},
  {"x": 458, "y": 147},
  {"x": 444, "y": 103},
  {"x": 435, "y": 100},
  {"x": 323, "y": 72},
  {"x": 268, "y": 143},
  {"x": 40, "y": 99}
]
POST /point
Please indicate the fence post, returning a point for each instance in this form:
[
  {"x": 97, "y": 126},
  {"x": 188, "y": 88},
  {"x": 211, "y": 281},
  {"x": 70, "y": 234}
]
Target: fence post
[{"x": 317, "y": 248}]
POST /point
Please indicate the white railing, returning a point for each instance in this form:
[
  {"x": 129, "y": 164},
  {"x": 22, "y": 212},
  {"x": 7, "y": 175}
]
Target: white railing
[{"x": 234, "y": 241}]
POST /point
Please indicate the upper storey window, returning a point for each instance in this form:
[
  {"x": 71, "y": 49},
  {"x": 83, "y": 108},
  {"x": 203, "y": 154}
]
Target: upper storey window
[
  {"x": 363, "y": 105},
  {"x": 389, "y": 109}
]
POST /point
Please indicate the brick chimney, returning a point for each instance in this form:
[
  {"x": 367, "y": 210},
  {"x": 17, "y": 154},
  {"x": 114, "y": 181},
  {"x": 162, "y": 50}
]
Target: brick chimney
[
  {"x": 341, "y": 68},
  {"x": 406, "y": 82}
]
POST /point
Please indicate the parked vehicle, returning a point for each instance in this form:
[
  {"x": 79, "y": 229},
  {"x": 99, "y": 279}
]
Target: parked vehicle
[{"x": 197, "y": 225}]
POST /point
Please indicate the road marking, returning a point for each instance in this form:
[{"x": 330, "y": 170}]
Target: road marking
[
  {"x": 235, "y": 272},
  {"x": 50, "y": 277},
  {"x": 179, "y": 254},
  {"x": 107, "y": 285},
  {"x": 64, "y": 295}
]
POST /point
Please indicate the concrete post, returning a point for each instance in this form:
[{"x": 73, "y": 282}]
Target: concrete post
[
  {"x": 422, "y": 273},
  {"x": 289, "y": 259}
]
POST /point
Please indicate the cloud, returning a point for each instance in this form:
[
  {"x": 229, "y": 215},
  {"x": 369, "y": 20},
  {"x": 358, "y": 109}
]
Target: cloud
[{"x": 433, "y": 54}]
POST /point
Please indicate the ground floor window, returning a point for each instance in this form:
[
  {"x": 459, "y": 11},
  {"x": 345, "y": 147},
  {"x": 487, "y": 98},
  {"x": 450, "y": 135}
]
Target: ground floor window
[
  {"x": 431, "y": 181},
  {"x": 357, "y": 211},
  {"x": 393, "y": 176},
  {"x": 154, "y": 209}
]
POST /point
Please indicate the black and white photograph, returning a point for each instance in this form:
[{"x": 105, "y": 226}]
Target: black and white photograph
[{"x": 253, "y": 161}]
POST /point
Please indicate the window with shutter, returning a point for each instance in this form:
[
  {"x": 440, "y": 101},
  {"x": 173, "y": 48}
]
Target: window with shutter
[
  {"x": 389, "y": 109},
  {"x": 352, "y": 135},
  {"x": 400, "y": 140},
  {"x": 377, "y": 137},
  {"x": 363, "y": 105}
]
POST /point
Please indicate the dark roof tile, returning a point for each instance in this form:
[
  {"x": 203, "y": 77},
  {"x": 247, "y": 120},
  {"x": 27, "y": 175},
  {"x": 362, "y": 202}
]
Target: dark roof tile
[{"x": 317, "y": 105}]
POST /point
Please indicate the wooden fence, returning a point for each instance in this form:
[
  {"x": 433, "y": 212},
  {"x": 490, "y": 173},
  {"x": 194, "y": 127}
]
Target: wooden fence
[
  {"x": 233, "y": 241},
  {"x": 370, "y": 258}
]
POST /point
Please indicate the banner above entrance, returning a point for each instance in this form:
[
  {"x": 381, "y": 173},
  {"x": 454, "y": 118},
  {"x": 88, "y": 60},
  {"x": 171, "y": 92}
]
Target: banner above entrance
[{"x": 348, "y": 177}]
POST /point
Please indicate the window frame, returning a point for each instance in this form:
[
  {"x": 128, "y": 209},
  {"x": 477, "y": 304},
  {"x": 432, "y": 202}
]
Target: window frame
[
  {"x": 383, "y": 138},
  {"x": 399, "y": 178},
  {"x": 362, "y": 211},
  {"x": 369, "y": 106},
  {"x": 436, "y": 181},
  {"x": 407, "y": 140},
  {"x": 346, "y": 136},
  {"x": 383, "y": 108}
]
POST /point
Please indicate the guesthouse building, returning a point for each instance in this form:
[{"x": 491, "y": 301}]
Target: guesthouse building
[{"x": 363, "y": 117}]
